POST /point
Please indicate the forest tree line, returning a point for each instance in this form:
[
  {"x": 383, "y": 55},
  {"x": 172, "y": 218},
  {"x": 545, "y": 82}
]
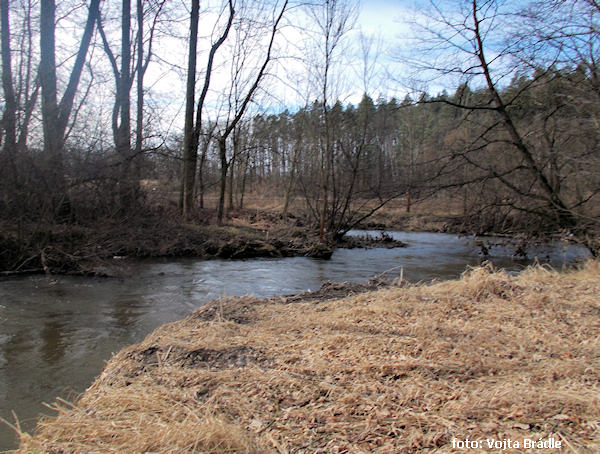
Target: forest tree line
[{"x": 515, "y": 142}]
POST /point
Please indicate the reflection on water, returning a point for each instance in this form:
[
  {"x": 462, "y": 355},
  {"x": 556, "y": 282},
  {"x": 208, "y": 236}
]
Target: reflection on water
[
  {"x": 53, "y": 336},
  {"x": 57, "y": 333}
]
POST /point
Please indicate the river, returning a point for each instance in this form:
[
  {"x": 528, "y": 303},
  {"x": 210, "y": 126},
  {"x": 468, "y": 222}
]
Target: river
[{"x": 57, "y": 332}]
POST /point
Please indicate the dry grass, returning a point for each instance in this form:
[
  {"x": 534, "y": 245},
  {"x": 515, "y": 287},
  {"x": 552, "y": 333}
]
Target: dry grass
[{"x": 401, "y": 369}]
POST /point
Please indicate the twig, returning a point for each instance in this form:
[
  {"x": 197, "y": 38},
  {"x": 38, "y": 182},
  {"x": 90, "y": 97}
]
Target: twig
[
  {"x": 16, "y": 427},
  {"x": 382, "y": 275},
  {"x": 567, "y": 443},
  {"x": 43, "y": 261},
  {"x": 21, "y": 272}
]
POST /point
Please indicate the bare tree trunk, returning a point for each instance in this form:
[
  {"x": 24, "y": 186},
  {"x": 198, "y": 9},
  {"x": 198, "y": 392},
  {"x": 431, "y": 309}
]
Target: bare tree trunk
[
  {"x": 29, "y": 89},
  {"x": 9, "y": 117},
  {"x": 9, "y": 120},
  {"x": 26, "y": 117},
  {"x": 121, "y": 114},
  {"x": 139, "y": 118},
  {"x": 52, "y": 142},
  {"x": 324, "y": 205},
  {"x": 201, "y": 174},
  {"x": 189, "y": 145},
  {"x": 290, "y": 186},
  {"x": 123, "y": 104},
  {"x": 201, "y": 189},
  {"x": 205, "y": 146},
  {"x": 244, "y": 178},
  {"x": 191, "y": 131},
  {"x": 232, "y": 166},
  {"x": 141, "y": 71},
  {"x": 55, "y": 117},
  {"x": 222, "y": 141},
  {"x": 325, "y": 93},
  {"x": 230, "y": 192}
]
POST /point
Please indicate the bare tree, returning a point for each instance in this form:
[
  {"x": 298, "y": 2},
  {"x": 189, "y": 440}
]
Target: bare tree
[
  {"x": 9, "y": 117},
  {"x": 55, "y": 115},
  {"x": 238, "y": 101},
  {"x": 471, "y": 45},
  {"x": 193, "y": 129},
  {"x": 28, "y": 85},
  {"x": 121, "y": 113},
  {"x": 333, "y": 19},
  {"x": 134, "y": 61},
  {"x": 143, "y": 9}
]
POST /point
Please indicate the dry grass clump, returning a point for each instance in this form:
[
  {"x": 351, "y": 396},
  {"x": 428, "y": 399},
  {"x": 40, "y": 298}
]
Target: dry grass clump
[{"x": 400, "y": 369}]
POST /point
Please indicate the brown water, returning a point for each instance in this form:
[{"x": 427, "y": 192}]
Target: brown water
[{"x": 56, "y": 333}]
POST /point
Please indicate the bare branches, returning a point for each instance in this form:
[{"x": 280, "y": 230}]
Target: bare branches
[{"x": 192, "y": 130}]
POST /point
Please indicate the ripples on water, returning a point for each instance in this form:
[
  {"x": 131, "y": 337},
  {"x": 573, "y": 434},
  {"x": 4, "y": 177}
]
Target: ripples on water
[{"x": 57, "y": 333}]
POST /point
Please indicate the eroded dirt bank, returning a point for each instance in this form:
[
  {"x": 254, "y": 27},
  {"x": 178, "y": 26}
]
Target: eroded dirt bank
[
  {"x": 90, "y": 249},
  {"x": 362, "y": 368}
]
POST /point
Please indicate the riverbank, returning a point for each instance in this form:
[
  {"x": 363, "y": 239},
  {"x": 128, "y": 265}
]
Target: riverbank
[
  {"x": 91, "y": 249},
  {"x": 401, "y": 368},
  {"x": 260, "y": 230}
]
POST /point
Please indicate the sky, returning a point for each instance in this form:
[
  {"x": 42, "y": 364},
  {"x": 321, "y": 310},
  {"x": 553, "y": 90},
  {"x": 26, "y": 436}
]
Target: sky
[
  {"x": 393, "y": 21},
  {"x": 383, "y": 16},
  {"x": 386, "y": 22}
]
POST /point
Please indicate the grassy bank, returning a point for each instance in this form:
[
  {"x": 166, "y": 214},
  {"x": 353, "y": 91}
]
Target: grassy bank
[{"x": 397, "y": 369}]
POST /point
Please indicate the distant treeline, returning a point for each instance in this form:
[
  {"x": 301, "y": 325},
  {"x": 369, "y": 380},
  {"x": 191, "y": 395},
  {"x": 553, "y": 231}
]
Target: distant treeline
[{"x": 454, "y": 143}]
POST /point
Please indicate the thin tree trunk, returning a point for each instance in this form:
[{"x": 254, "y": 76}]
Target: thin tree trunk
[
  {"x": 324, "y": 208},
  {"x": 244, "y": 178},
  {"x": 232, "y": 166},
  {"x": 190, "y": 145},
  {"x": 26, "y": 118},
  {"x": 327, "y": 169},
  {"x": 205, "y": 146},
  {"x": 230, "y": 192},
  {"x": 290, "y": 186},
  {"x": 139, "y": 118},
  {"x": 223, "y": 180},
  {"x": 192, "y": 135},
  {"x": 55, "y": 117},
  {"x": 123, "y": 101},
  {"x": 30, "y": 94},
  {"x": 9, "y": 118}
]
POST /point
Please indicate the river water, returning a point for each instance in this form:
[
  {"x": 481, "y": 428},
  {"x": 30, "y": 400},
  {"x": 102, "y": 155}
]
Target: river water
[{"x": 56, "y": 333}]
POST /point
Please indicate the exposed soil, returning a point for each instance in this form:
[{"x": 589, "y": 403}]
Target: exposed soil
[{"x": 91, "y": 248}]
